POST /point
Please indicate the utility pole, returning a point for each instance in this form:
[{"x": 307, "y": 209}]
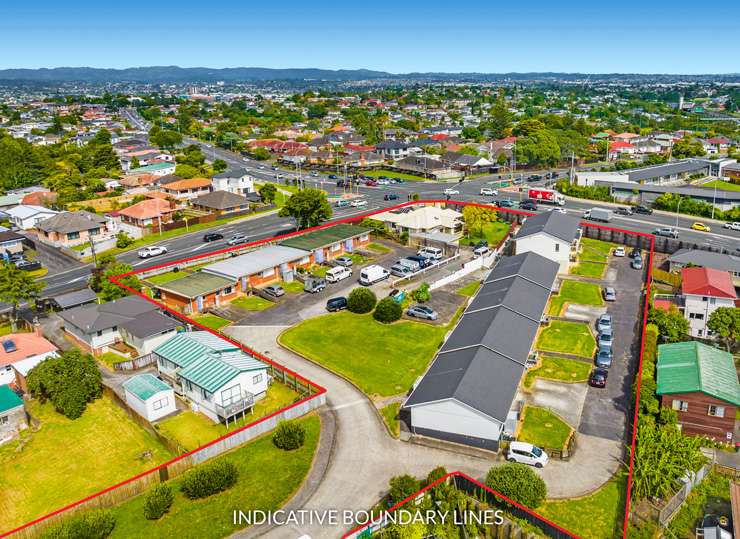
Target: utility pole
[
  {"x": 572, "y": 166},
  {"x": 92, "y": 250}
]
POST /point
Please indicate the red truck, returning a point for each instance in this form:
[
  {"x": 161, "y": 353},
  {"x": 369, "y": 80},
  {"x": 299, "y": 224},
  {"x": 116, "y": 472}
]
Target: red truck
[{"x": 546, "y": 196}]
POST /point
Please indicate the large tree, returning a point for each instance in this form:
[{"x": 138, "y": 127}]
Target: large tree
[
  {"x": 476, "y": 219},
  {"x": 725, "y": 322},
  {"x": 109, "y": 267},
  {"x": 308, "y": 207},
  {"x": 498, "y": 123},
  {"x": 17, "y": 287},
  {"x": 672, "y": 326},
  {"x": 539, "y": 148}
]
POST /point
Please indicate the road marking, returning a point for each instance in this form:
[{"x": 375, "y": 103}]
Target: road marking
[{"x": 349, "y": 404}]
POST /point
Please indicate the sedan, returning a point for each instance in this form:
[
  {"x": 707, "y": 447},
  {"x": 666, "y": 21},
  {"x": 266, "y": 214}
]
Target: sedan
[
  {"x": 344, "y": 261},
  {"x": 399, "y": 270},
  {"x": 701, "y": 227},
  {"x": 451, "y": 191},
  {"x": 604, "y": 323},
  {"x": 212, "y": 236},
  {"x": 358, "y": 203},
  {"x": 488, "y": 191},
  {"x": 610, "y": 294},
  {"x": 151, "y": 250},
  {"x": 636, "y": 263},
  {"x": 598, "y": 378},
  {"x": 390, "y": 197},
  {"x": 237, "y": 239},
  {"x": 619, "y": 251},
  {"x": 605, "y": 340},
  {"x": 604, "y": 358},
  {"x": 643, "y": 210},
  {"x": 624, "y": 210},
  {"x": 732, "y": 226},
  {"x": 667, "y": 232},
  {"x": 423, "y": 312},
  {"x": 274, "y": 290}
]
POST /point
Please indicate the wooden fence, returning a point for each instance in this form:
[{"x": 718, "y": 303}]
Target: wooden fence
[{"x": 136, "y": 363}]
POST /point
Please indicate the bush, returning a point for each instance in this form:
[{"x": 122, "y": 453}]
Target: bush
[
  {"x": 422, "y": 294},
  {"x": 123, "y": 240},
  {"x": 403, "y": 486},
  {"x": 158, "y": 501},
  {"x": 518, "y": 483},
  {"x": 208, "y": 479},
  {"x": 388, "y": 310},
  {"x": 289, "y": 435},
  {"x": 436, "y": 473},
  {"x": 361, "y": 301},
  {"x": 93, "y": 525}
]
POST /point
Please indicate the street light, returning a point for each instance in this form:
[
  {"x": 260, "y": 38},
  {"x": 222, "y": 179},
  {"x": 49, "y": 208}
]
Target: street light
[{"x": 678, "y": 207}]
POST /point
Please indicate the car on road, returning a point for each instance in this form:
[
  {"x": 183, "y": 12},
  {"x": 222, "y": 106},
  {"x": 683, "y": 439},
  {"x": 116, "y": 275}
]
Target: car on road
[
  {"x": 423, "y": 312},
  {"x": 333, "y": 176},
  {"x": 451, "y": 191},
  {"x": 558, "y": 209},
  {"x": 644, "y": 210},
  {"x": 506, "y": 204},
  {"x": 610, "y": 294},
  {"x": 336, "y": 304},
  {"x": 517, "y": 181},
  {"x": 237, "y": 239},
  {"x": 534, "y": 178},
  {"x": 636, "y": 263},
  {"x": 342, "y": 203},
  {"x": 488, "y": 191},
  {"x": 667, "y": 232},
  {"x": 701, "y": 227},
  {"x": 261, "y": 167},
  {"x": 338, "y": 273},
  {"x": 732, "y": 226},
  {"x": 315, "y": 174},
  {"x": 529, "y": 205},
  {"x": 598, "y": 377},
  {"x": 357, "y": 203},
  {"x": 390, "y": 196},
  {"x": 151, "y": 250},
  {"x": 345, "y": 261},
  {"x": 605, "y": 338},
  {"x": 212, "y": 236},
  {"x": 274, "y": 290},
  {"x": 399, "y": 270},
  {"x": 604, "y": 322},
  {"x": 526, "y": 453},
  {"x": 620, "y": 251},
  {"x": 371, "y": 182},
  {"x": 604, "y": 358},
  {"x": 624, "y": 210}
]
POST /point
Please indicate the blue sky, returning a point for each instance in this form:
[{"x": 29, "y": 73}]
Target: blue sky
[{"x": 402, "y": 36}]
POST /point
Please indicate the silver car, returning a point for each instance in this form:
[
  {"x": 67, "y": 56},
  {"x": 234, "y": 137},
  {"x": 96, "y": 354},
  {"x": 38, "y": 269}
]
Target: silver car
[
  {"x": 422, "y": 311},
  {"x": 610, "y": 294}
]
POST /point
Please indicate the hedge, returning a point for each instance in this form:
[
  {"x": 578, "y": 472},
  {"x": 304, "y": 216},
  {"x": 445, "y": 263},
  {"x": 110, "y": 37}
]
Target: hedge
[
  {"x": 158, "y": 501},
  {"x": 388, "y": 310},
  {"x": 93, "y": 525},
  {"x": 289, "y": 435},
  {"x": 208, "y": 479}
]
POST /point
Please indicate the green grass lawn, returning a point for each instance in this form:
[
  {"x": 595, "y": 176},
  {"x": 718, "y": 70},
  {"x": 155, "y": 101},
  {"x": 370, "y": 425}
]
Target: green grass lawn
[
  {"x": 252, "y": 303},
  {"x": 390, "y": 416},
  {"x": 378, "y": 247},
  {"x": 567, "y": 337},
  {"x": 268, "y": 477},
  {"x": 558, "y": 368},
  {"x": 69, "y": 459},
  {"x": 493, "y": 233},
  {"x": 163, "y": 278},
  {"x": 390, "y": 358},
  {"x": 595, "y": 516},
  {"x": 109, "y": 358},
  {"x": 293, "y": 287},
  {"x": 574, "y": 292},
  {"x": 192, "y": 430},
  {"x": 594, "y": 270},
  {"x": 37, "y": 274},
  {"x": 543, "y": 428},
  {"x": 319, "y": 270},
  {"x": 723, "y": 185},
  {"x": 212, "y": 321},
  {"x": 469, "y": 289},
  {"x": 603, "y": 248},
  {"x": 392, "y": 174},
  {"x": 358, "y": 259}
]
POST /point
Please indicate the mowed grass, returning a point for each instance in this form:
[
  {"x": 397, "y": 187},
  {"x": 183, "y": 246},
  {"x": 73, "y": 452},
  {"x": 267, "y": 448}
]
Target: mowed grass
[
  {"x": 567, "y": 337},
  {"x": 595, "y": 516},
  {"x": 378, "y": 247},
  {"x": 382, "y": 359},
  {"x": 393, "y": 174},
  {"x": 111, "y": 358},
  {"x": 293, "y": 287},
  {"x": 469, "y": 289},
  {"x": 212, "y": 321},
  {"x": 543, "y": 428},
  {"x": 574, "y": 292},
  {"x": 67, "y": 460},
  {"x": 163, "y": 278},
  {"x": 594, "y": 270},
  {"x": 604, "y": 248},
  {"x": 493, "y": 233},
  {"x": 252, "y": 303},
  {"x": 558, "y": 368},
  {"x": 191, "y": 429},
  {"x": 390, "y": 416},
  {"x": 268, "y": 477},
  {"x": 723, "y": 185}
]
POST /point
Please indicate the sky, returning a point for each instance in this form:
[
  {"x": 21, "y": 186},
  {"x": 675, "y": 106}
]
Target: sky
[{"x": 625, "y": 36}]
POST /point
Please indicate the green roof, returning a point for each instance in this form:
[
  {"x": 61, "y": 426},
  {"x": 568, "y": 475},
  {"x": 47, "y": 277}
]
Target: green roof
[
  {"x": 690, "y": 367},
  {"x": 149, "y": 168},
  {"x": 196, "y": 284},
  {"x": 8, "y": 399},
  {"x": 601, "y": 135},
  {"x": 325, "y": 236},
  {"x": 145, "y": 385}
]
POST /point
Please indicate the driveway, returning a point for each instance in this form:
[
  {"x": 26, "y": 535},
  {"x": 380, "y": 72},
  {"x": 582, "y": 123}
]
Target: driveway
[{"x": 564, "y": 399}]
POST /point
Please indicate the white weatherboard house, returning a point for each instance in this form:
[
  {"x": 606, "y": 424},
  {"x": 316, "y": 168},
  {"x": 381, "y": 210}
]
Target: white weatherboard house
[
  {"x": 552, "y": 234},
  {"x": 27, "y": 216},
  {"x": 149, "y": 396}
]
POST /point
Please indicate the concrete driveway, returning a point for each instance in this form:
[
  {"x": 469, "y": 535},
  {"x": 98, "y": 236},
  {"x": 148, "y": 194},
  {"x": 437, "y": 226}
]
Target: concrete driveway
[{"x": 564, "y": 399}]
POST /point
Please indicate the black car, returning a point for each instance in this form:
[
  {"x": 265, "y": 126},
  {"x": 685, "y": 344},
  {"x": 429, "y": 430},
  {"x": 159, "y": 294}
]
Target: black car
[
  {"x": 530, "y": 205},
  {"x": 643, "y": 210},
  {"x": 635, "y": 253},
  {"x": 390, "y": 197},
  {"x": 422, "y": 260},
  {"x": 598, "y": 378},
  {"x": 534, "y": 178},
  {"x": 213, "y": 236},
  {"x": 333, "y": 176},
  {"x": 336, "y": 304},
  {"x": 26, "y": 265}
]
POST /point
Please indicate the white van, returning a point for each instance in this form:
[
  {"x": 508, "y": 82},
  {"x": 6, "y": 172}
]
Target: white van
[
  {"x": 373, "y": 274},
  {"x": 337, "y": 274},
  {"x": 430, "y": 252},
  {"x": 525, "y": 453},
  {"x": 413, "y": 265},
  {"x": 483, "y": 250}
]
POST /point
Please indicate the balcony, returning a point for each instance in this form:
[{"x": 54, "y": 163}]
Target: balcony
[
  {"x": 665, "y": 301},
  {"x": 241, "y": 406}
]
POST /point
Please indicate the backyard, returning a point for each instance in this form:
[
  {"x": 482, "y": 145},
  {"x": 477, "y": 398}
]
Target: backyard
[
  {"x": 594, "y": 270},
  {"x": 166, "y": 277},
  {"x": 543, "y": 428},
  {"x": 66, "y": 460},
  {"x": 252, "y": 303},
  {"x": 469, "y": 289},
  {"x": 259, "y": 463},
  {"x": 574, "y": 292},
  {"x": 558, "y": 368},
  {"x": 493, "y": 233},
  {"x": 211, "y": 321},
  {"x": 567, "y": 338},
  {"x": 593, "y": 258}
]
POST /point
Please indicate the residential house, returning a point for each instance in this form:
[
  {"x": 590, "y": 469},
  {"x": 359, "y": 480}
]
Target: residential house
[
  {"x": 261, "y": 267},
  {"x": 10, "y": 243},
  {"x": 218, "y": 378},
  {"x": 13, "y": 416},
  {"x": 143, "y": 180},
  {"x": 421, "y": 220},
  {"x": 27, "y": 216},
  {"x": 552, "y": 234},
  {"x": 362, "y": 159},
  {"x": 147, "y": 213},
  {"x": 10, "y": 200},
  {"x": 330, "y": 242},
  {"x": 149, "y": 396},
  {"x": 700, "y": 383},
  {"x": 187, "y": 189},
  {"x": 197, "y": 292},
  {"x": 463, "y": 161},
  {"x": 61, "y": 302},
  {"x": 68, "y": 229},
  {"x": 392, "y": 149},
  {"x": 235, "y": 181},
  {"x": 698, "y": 257},
  {"x": 20, "y": 353},
  {"x": 221, "y": 203},
  {"x": 619, "y": 148},
  {"x": 147, "y": 331},
  {"x": 155, "y": 169},
  {"x": 703, "y": 291},
  {"x": 40, "y": 198}
]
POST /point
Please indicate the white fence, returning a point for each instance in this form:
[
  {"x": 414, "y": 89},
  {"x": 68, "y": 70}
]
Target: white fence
[
  {"x": 467, "y": 268},
  {"x": 422, "y": 271}
]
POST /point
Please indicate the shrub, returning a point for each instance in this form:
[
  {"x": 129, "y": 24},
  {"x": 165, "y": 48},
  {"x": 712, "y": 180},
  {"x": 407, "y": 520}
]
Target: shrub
[
  {"x": 388, "y": 310},
  {"x": 422, "y": 294},
  {"x": 402, "y": 486},
  {"x": 518, "y": 483},
  {"x": 208, "y": 479},
  {"x": 123, "y": 240},
  {"x": 93, "y": 525},
  {"x": 158, "y": 501},
  {"x": 436, "y": 473},
  {"x": 361, "y": 301},
  {"x": 289, "y": 435}
]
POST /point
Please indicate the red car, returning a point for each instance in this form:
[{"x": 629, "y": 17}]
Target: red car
[
  {"x": 371, "y": 183},
  {"x": 598, "y": 378}
]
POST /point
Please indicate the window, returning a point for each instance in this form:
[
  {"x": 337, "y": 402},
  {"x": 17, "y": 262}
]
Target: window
[
  {"x": 696, "y": 316},
  {"x": 205, "y": 394},
  {"x": 231, "y": 395},
  {"x": 257, "y": 379},
  {"x": 268, "y": 272},
  {"x": 705, "y": 298},
  {"x": 188, "y": 385},
  {"x": 227, "y": 291},
  {"x": 94, "y": 231},
  {"x": 336, "y": 247},
  {"x": 716, "y": 411},
  {"x": 73, "y": 235},
  {"x": 680, "y": 406},
  {"x": 557, "y": 247},
  {"x": 712, "y": 301},
  {"x": 161, "y": 403},
  {"x": 3, "y": 420},
  {"x": 99, "y": 333}
]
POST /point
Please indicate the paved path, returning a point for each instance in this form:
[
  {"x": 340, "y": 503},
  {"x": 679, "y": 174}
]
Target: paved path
[{"x": 365, "y": 457}]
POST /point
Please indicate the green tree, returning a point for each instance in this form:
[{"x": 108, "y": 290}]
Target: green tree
[
  {"x": 539, "y": 148},
  {"x": 219, "y": 165},
  {"x": 476, "y": 219},
  {"x": 725, "y": 322},
  {"x": 17, "y": 287},
  {"x": 186, "y": 171},
  {"x": 499, "y": 119},
  {"x": 361, "y": 301},
  {"x": 402, "y": 486},
  {"x": 672, "y": 326},
  {"x": 518, "y": 483},
  {"x": 166, "y": 139},
  {"x": 109, "y": 267},
  {"x": 308, "y": 207},
  {"x": 687, "y": 147},
  {"x": 267, "y": 193},
  {"x": 134, "y": 163},
  {"x": 422, "y": 294},
  {"x": 388, "y": 310}
]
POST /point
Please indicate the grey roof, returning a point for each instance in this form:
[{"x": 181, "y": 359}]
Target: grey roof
[
  {"x": 221, "y": 200},
  {"x": 73, "y": 299},
  {"x": 707, "y": 193},
  {"x": 391, "y": 145},
  {"x": 92, "y": 318},
  {"x": 706, "y": 259},
  {"x": 169, "y": 178},
  {"x": 552, "y": 223},
  {"x": 533, "y": 267},
  {"x": 231, "y": 173},
  {"x": 667, "y": 169},
  {"x": 148, "y": 324},
  {"x": 8, "y": 236},
  {"x": 254, "y": 261},
  {"x": 71, "y": 221}
]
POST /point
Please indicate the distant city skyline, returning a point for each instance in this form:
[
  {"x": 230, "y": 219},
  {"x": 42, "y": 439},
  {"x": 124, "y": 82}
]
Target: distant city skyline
[{"x": 403, "y": 37}]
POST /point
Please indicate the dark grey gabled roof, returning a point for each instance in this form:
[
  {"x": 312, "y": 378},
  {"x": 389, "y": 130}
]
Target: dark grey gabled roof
[
  {"x": 92, "y": 318},
  {"x": 514, "y": 293},
  {"x": 666, "y": 169},
  {"x": 706, "y": 259},
  {"x": 74, "y": 299},
  {"x": 220, "y": 200},
  {"x": 71, "y": 221},
  {"x": 231, "y": 173},
  {"x": 531, "y": 266},
  {"x": 553, "y": 223},
  {"x": 148, "y": 324}
]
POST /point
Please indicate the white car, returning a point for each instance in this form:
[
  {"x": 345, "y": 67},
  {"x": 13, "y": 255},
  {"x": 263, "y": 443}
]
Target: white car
[
  {"x": 358, "y": 203},
  {"x": 732, "y": 226},
  {"x": 619, "y": 251},
  {"x": 151, "y": 250},
  {"x": 525, "y": 453},
  {"x": 559, "y": 210},
  {"x": 338, "y": 273},
  {"x": 488, "y": 191},
  {"x": 314, "y": 174},
  {"x": 451, "y": 191}
]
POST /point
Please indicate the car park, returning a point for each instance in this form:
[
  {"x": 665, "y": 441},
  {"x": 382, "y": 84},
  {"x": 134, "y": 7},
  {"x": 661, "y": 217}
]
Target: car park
[
  {"x": 610, "y": 294},
  {"x": 390, "y": 196},
  {"x": 373, "y": 274},
  {"x": 338, "y": 273},
  {"x": 399, "y": 270},
  {"x": 430, "y": 252},
  {"x": 237, "y": 239},
  {"x": 151, "y": 250},
  {"x": 371, "y": 183},
  {"x": 620, "y": 251},
  {"x": 598, "y": 378},
  {"x": 345, "y": 261},
  {"x": 526, "y": 453},
  {"x": 423, "y": 312},
  {"x": 604, "y": 358},
  {"x": 488, "y": 191},
  {"x": 358, "y": 203},
  {"x": 336, "y": 304},
  {"x": 212, "y": 236},
  {"x": 643, "y": 210},
  {"x": 274, "y": 290},
  {"x": 701, "y": 227},
  {"x": 732, "y": 226},
  {"x": 604, "y": 322},
  {"x": 666, "y": 232},
  {"x": 605, "y": 339}
]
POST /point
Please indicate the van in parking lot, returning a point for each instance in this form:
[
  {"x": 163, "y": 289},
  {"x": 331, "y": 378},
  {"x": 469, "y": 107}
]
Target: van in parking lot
[
  {"x": 525, "y": 453},
  {"x": 338, "y": 273},
  {"x": 373, "y": 274},
  {"x": 430, "y": 252},
  {"x": 413, "y": 265}
]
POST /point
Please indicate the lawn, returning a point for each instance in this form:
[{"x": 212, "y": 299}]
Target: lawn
[
  {"x": 293, "y": 287},
  {"x": 493, "y": 233},
  {"x": 594, "y": 270},
  {"x": 166, "y": 277},
  {"x": 390, "y": 358},
  {"x": 543, "y": 428},
  {"x": 604, "y": 248},
  {"x": 723, "y": 185},
  {"x": 567, "y": 337},
  {"x": 252, "y": 303},
  {"x": 594, "y": 516},
  {"x": 67, "y": 460},
  {"x": 192, "y": 430},
  {"x": 7, "y": 329},
  {"x": 260, "y": 465},
  {"x": 378, "y": 247},
  {"x": 358, "y": 259},
  {"x": 558, "y": 368},
  {"x": 110, "y": 358},
  {"x": 392, "y": 174},
  {"x": 574, "y": 292},
  {"x": 390, "y": 416},
  {"x": 212, "y": 321},
  {"x": 594, "y": 251},
  {"x": 469, "y": 289}
]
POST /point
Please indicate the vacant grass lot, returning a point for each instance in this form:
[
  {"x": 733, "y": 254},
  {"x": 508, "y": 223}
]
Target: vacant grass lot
[
  {"x": 390, "y": 416},
  {"x": 192, "y": 430},
  {"x": 493, "y": 233},
  {"x": 567, "y": 337},
  {"x": 382, "y": 359},
  {"x": 268, "y": 477},
  {"x": 252, "y": 303},
  {"x": 594, "y": 270},
  {"x": 604, "y": 248},
  {"x": 67, "y": 460},
  {"x": 543, "y": 428},
  {"x": 558, "y": 368},
  {"x": 469, "y": 289},
  {"x": 212, "y": 321},
  {"x": 378, "y": 247},
  {"x": 392, "y": 174},
  {"x": 574, "y": 292}
]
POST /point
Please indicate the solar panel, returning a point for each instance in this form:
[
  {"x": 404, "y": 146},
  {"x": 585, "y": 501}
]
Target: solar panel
[{"x": 9, "y": 346}]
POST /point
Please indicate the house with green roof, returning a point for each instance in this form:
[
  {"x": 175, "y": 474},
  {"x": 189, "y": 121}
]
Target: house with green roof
[
  {"x": 197, "y": 292},
  {"x": 700, "y": 383},
  {"x": 13, "y": 416},
  {"x": 155, "y": 169},
  {"x": 330, "y": 242},
  {"x": 218, "y": 378},
  {"x": 149, "y": 396}
]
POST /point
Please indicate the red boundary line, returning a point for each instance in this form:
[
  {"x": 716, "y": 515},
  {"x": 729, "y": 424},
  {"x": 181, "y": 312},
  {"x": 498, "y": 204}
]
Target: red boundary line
[{"x": 321, "y": 390}]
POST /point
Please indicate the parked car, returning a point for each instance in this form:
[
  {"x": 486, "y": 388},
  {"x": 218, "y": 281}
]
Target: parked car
[
  {"x": 732, "y": 226},
  {"x": 610, "y": 294},
  {"x": 358, "y": 203},
  {"x": 598, "y": 378},
  {"x": 371, "y": 182},
  {"x": 643, "y": 210},
  {"x": 333, "y": 176},
  {"x": 668, "y": 232},
  {"x": 635, "y": 252},
  {"x": 701, "y": 227},
  {"x": 212, "y": 236},
  {"x": 481, "y": 243},
  {"x": 430, "y": 252},
  {"x": 423, "y": 261},
  {"x": 390, "y": 196},
  {"x": 336, "y": 304},
  {"x": 237, "y": 239},
  {"x": 620, "y": 251},
  {"x": 399, "y": 270},
  {"x": 423, "y": 312},
  {"x": 525, "y": 453},
  {"x": 345, "y": 261},
  {"x": 604, "y": 322},
  {"x": 315, "y": 174},
  {"x": 624, "y": 210},
  {"x": 606, "y": 338},
  {"x": 151, "y": 250},
  {"x": 314, "y": 284},
  {"x": 27, "y": 265},
  {"x": 16, "y": 257},
  {"x": 488, "y": 191},
  {"x": 481, "y": 251},
  {"x": 636, "y": 263},
  {"x": 274, "y": 290},
  {"x": 338, "y": 273},
  {"x": 451, "y": 191},
  {"x": 604, "y": 358},
  {"x": 413, "y": 265},
  {"x": 373, "y": 274}
]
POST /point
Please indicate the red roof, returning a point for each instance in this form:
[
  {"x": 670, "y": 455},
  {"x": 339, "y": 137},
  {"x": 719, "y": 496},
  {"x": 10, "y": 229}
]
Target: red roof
[
  {"x": 663, "y": 304},
  {"x": 707, "y": 282},
  {"x": 359, "y": 148},
  {"x": 439, "y": 136},
  {"x": 620, "y": 144}
]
